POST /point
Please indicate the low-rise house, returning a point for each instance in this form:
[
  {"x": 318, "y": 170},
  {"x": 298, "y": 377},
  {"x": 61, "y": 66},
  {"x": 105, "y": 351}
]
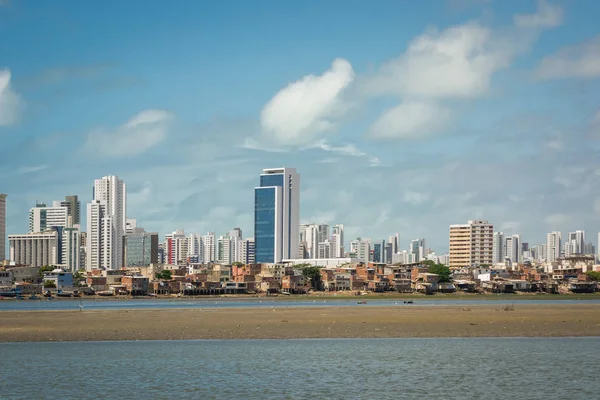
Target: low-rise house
[
  {"x": 292, "y": 284},
  {"x": 136, "y": 285},
  {"x": 61, "y": 280},
  {"x": 520, "y": 285},
  {"x": 97, "y": 283},
  {"x": 232, "y": 287},
  {"x": 6, "y": 278}
]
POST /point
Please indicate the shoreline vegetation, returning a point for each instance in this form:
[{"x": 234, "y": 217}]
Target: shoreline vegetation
[{"x": 362, "y": 321}]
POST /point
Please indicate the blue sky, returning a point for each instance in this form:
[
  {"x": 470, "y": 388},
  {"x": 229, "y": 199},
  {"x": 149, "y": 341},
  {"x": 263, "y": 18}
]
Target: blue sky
[{"x": 400, "y": 116}]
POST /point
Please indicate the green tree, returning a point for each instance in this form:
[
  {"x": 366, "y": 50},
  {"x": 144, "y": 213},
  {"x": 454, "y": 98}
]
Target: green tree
[
  {"x": 593, "y": 275},
  {"x": 314, "y": 275},
  {"x": 442, "y": 271},
  {"x": 46, "y": 268},
  {"x": 166, "y": 275},
  {"x": 49, "y": 284}
]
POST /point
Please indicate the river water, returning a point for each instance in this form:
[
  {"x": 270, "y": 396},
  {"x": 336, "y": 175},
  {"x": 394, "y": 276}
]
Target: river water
[
  {"x": 490, "y": 368},
  {"x": 118, "y": 304}
]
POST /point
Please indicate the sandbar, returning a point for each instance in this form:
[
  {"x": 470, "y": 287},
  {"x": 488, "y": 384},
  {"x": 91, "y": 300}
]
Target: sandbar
[{"x": 360, "y": 321}]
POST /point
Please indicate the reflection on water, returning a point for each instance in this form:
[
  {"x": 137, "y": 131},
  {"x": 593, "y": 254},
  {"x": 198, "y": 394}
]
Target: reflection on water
[{"x": 533, "y": 368}]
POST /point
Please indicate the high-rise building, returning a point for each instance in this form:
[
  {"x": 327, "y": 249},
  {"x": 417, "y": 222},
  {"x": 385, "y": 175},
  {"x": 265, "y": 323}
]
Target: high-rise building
[
  {"x": 210, "y": 248},
  {"x": 471, "y": 244},
  {"x": 3, "y": 227},
  {"x": 176, "y": 247},
  {"x": 576, "y": 243},
  {"x": 337, "y": 241},
  {"x": 107, "y": 219},
  {"x": 73, "y": 208},
  {"x": 42, "y": 218},
  {"x": 71, "y": 248},
  {"x": 248, "y": 251},
  {"x": 417, "y": 250},
  {"x": 141, "y": 249},
  {"x": 277, "y": 215},
  {"x": 498, "y": 248},
  {"x": 395, "y": 241},
  {"x": 512, "y": 250},
  {"x": 553, "y": 245}
]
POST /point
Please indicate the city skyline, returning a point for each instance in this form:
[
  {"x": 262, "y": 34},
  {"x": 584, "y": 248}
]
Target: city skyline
[{"x": 435, "y": 114}]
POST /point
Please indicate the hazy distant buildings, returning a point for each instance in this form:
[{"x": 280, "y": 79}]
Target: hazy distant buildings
[
  {"x": 498, "y": 248},
  {"x": 417, "y": 250},
  {"x": 337, "y": 241},
  {"x": 277, "y": 215},
  {"x": 471, "y": 244},
  {"x": 512, "y": 252}
]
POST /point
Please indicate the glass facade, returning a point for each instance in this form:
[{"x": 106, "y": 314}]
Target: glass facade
[
  {"x": 264, "y": 222},
  {"x": 271, "y": 180},
  {"x": 141, "y": 249}
]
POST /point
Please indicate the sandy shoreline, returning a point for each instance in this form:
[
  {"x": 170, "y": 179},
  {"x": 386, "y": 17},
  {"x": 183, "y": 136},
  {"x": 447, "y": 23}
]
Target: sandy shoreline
[{"x": 301, "y": 322}]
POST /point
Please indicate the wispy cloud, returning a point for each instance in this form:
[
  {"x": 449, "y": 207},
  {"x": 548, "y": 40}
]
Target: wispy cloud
[
  {"x": 578, "y": 61},
  {"x": 31, "y": 169},
  {"x": 136, "y": 136}
]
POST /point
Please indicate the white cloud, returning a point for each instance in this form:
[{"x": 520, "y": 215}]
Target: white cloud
[
  {"x": 136, "y": 136},
  {"x": 306, "y": 108},
  {"x": 11, "y": 103},
  {"x": 579, "y": 61},
  {"x": 457, "y": 62},
  {"x": 547, "y": 16},
  {"x": 408, "y": 119},
  {"x": 374, "y": 162}
]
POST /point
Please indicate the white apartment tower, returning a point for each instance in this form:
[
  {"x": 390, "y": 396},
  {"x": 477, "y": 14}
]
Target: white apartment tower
[
  {"x": 553, "y": 241},
  {"x": 498, "y": 248},
  {"x": 3, "y": 227},
  {"x": 337, "y": 241},
  {"x": 513, "y": 250},
  {"x": 107, "y": 219},
  {"x": 210, "y": 246}
]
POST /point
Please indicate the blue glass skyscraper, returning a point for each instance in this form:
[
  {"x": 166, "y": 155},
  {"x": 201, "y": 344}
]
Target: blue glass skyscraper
[{"x": 277, "y": 215}]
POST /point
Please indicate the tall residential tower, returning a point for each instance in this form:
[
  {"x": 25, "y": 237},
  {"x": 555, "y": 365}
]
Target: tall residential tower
[{"x": 2, "y": 227}]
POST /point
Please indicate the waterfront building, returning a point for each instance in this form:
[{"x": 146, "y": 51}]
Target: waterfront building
[
  {"x": 35, "y": 249},
  {"x": 3, "y": 227},
  {"x": 276, "y": 215},
  {"x": 471, "y": 244},
  {"x": 176, "y": 247}
]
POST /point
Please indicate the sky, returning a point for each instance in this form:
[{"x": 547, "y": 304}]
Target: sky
[{"x": 399, "y": 116}]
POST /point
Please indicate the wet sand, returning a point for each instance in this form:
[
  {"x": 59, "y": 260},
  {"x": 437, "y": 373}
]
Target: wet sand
[{"x": 361, "y": 321}]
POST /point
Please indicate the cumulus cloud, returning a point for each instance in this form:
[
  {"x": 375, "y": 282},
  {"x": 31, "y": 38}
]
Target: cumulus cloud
[
  {"x": 455, "y": 63},
  {"x": 408, "y": 119},
  {"x": 306, "y": 108},
  {"x": 578, "y": 61},
  {"x": 11, "y": 103},
  {"x": 546, "y": 16},
  {"x": 141, "y": 132}
]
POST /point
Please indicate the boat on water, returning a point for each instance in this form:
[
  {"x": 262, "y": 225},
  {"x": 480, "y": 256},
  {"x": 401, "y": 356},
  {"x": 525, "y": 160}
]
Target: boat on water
[
  {"x": 361, "y": 302},
  {"x": 64, "y": 294},
  {"x": 105, "y": 293},
  {"x": 408, "y": 302}
]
